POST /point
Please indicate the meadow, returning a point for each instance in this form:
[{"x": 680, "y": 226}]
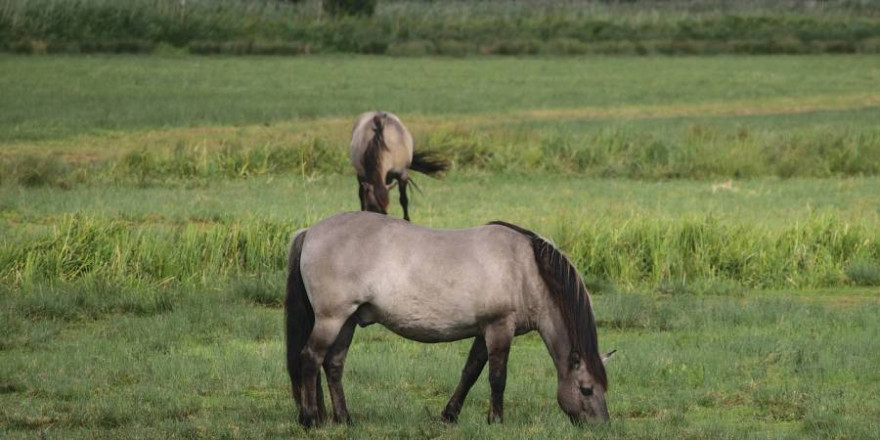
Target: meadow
[{"x": 724, "y": 212}]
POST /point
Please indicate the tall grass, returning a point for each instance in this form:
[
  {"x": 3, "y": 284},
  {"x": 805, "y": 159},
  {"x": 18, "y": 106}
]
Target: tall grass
[
  {"x": 82, "y": 247},
  {"x": 707, "y": 253},
  {"x": 453, "y": 28},
  {"x": 671, "y": 255},
  {"x": 698, "y": 152}
]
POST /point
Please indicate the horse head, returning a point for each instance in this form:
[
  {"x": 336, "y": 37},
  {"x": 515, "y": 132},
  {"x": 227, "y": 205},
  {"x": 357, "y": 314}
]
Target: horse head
[
  {"x": 375, "y": 197},
  {"x": 579, "y": 395}
]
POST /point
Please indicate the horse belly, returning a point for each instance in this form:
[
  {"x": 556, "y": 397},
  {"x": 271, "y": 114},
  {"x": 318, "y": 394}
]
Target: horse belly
[
  {"x": 431, "y": 332},
  {"x": 424, "y": 323}
]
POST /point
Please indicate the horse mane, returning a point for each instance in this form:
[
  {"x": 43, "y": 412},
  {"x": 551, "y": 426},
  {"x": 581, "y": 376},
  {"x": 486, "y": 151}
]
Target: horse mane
[
  {"x": 373, "y": 159},
  {"x": 569, "y": 293}
]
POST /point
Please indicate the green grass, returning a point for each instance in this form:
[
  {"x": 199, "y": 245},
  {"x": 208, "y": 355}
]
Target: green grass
[
  {"x": 745, "y": 118},
  {"x": 59, "y": 97},
  {"x": 724, "y": 212},
  {"x": 535, "y": 200},
  {"x": 212, "y": 367}
]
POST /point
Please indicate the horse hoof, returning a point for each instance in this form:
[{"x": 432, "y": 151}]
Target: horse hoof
[
  {"x": 306, "y": 421},
  {"x": 448, "y": 417}
]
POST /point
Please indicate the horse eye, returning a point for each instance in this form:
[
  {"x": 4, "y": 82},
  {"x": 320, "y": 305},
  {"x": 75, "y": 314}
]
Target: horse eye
[{"x": 586, "y": 392}]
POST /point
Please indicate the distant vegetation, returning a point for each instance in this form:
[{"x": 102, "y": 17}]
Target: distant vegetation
[{"x": 457, "y": 28}]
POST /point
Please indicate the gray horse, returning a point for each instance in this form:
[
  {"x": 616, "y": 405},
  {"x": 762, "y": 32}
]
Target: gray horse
[
  {"x": 382, "y": 153},
  {"x": 489, "y": 283}
]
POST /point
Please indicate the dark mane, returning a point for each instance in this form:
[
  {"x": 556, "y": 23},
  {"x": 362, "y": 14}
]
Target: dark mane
[
  {"x": 570, "y": 295},
  {"x": 373, "y": 160}
]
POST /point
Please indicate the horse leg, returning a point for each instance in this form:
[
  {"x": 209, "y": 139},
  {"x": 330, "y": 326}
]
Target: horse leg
[
  {"x": 319, "y": 391},
  {"x": 334, "y": 363},
  {"x": 498, "y": 340},
  {"x": 472, "y": 368},
  {"x": 323, "y": 334},
  {"x": 361, "y": 192},
  {"x": 404, "y": 200}
]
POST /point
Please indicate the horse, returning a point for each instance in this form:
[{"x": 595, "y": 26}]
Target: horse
[
  {"x": 382, "y": 153},
  {"x": 489, "y": 283}
]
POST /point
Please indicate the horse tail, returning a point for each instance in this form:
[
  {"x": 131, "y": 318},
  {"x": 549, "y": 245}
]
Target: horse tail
[
  {"x": 372, "y": 159},
  {"x": 299, "y": 318},
  {"x": 379, "y": 124},
  {"x": 429, "y": 163}
]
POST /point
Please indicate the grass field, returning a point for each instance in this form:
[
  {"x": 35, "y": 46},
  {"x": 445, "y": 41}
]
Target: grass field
[
  {"x": 53, "y": 97},
  {"x": 725, "y": 212}
]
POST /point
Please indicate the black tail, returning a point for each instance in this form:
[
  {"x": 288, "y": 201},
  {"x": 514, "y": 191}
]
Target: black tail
[
  {"x": 428, "y": 163},
  {"x": 379, "y": 125},
  {"x": 372, "y": 161},
  {"x": 299, "y": 318}
]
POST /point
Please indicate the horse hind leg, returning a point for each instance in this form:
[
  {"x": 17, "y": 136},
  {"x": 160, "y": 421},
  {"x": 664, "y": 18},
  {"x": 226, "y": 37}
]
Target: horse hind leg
[
  {"x": 321, "y": 339},
  {"x": 472, "y": 368},
  {"x": 334, "y": 364}
]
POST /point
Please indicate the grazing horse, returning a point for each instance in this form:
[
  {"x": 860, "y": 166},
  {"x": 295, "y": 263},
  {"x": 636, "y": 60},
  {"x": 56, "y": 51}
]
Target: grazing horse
[
  {"x": 489, "y": 283},
  {"x": 382, "y": 153}
]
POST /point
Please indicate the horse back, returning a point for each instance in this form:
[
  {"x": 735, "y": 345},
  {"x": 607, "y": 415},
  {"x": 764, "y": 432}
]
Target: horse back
[{"x": 425, "y": 284}]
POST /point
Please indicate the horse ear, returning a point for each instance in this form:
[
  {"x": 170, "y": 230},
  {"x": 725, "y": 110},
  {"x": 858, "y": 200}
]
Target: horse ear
[{"x": 608, "y": 355}]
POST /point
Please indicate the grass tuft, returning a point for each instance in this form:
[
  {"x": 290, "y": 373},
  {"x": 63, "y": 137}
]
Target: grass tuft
[{"x": 34, "y": 171}]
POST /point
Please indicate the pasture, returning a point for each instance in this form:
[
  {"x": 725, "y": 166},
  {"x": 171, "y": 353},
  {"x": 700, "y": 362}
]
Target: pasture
[{"x": 723, "y": 210}]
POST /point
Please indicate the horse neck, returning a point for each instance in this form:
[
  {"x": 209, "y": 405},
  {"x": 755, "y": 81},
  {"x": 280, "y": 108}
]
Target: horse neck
[{"x": 553, "y": 331}]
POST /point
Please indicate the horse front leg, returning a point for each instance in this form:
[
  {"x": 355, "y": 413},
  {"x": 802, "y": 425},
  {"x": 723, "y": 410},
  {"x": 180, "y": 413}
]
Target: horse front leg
[
  {"x": 472, "y": 368},
  {"x": 498, "y": 340},
  {"x": 361, "y": 192},
  {"x": 334, "y": 364},
  {"x": 404, "y": 200}
]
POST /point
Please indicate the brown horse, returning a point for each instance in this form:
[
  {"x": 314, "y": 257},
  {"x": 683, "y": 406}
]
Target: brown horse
[{"x": 382, "y": 153}]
